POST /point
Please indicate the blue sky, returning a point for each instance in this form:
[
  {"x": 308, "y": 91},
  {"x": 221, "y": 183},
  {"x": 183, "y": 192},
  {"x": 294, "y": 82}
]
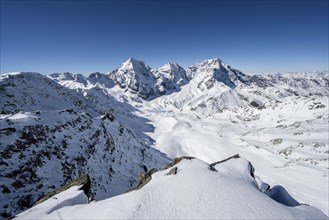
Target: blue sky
[{"x": 89, "y": 36}]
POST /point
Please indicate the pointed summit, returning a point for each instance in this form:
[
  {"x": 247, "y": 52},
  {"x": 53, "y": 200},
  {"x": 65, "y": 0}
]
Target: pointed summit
[
  {"x": 136, "y": 65},
  {"x": 134, "y": 61},
  {"x": 170, "y": 67},
  {"x": 173, "y": 72},
  {"x": 212, "y": 71},
  {"x": 215, "y": 61},
  {"x": 131, "y": 59},
  {"x": 136, "y": 76},
  {"x": 170, "y": 77}
]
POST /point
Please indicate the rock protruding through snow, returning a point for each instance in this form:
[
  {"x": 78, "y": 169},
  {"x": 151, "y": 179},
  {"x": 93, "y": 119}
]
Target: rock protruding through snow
[{"x": 194, "y": 192}]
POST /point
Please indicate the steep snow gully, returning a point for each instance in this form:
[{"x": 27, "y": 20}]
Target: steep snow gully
[{"x": 134, "y": 120}]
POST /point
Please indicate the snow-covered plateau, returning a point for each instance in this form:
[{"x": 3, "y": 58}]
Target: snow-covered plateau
[{"x": 124, "y": 127}]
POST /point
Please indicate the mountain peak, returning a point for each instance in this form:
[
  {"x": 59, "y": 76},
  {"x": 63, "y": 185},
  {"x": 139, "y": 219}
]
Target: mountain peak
[
  {"x": 134, "y": 61},
  {"x": 136, "y": 76},
  {"x": 213, "y": 63},
  {"x": 131, "y": 59},
  {"x": 135, "y": 65},
  {"x": 77, "y": 77},
  {"x": 170, "y": 66},
  {"x": 214, "y": 60},
  {"x": 170, "y": 77}
]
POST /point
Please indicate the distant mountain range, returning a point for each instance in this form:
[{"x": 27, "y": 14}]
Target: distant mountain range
[{"x": 114, "y": 126}]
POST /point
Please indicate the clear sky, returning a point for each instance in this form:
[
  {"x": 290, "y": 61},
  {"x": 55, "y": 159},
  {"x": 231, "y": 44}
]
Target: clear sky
[{"x": 88, "y": 36}]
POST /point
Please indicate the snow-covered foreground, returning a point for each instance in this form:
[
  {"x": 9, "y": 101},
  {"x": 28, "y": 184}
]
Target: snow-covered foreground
[
  {"x": 192, "y": 190},
  {"x": 287, "y": 145}
]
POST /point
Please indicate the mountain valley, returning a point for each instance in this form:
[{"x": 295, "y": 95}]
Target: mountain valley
[{"x": 117, "y": 125}]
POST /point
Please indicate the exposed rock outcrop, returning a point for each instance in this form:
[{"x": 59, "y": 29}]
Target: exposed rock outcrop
[{"x": 83, "y": 181}]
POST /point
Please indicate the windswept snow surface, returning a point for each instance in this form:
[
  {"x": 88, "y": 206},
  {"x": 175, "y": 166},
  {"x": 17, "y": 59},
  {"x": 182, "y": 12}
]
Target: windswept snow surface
[{"x": 196, "y": 191}]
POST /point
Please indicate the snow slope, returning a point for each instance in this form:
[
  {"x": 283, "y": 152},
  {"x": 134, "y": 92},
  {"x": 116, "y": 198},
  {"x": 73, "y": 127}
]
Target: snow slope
[
  {"x": 51, "y": 135},
  {"x": 285, "y": 136},
  {"x": 32, "y": 91},
  {"x": 283, "y": 147},
  {"x": 191, "y": 189}
]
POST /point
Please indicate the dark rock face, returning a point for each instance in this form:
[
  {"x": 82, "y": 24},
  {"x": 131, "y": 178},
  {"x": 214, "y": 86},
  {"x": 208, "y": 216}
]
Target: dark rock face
[
  {"x": 143, "y": 179},
  {"x": 83, "y": 181},
  {"x": 251, "y": 170},
  {"x": 177, "y": 160},
  {"x": 146, "y": 177},
  {"x": 222, "y": 75},
  {"x": 173, "y": 171},
  {"x": 280, "y": 194},
  {"x": 254, "y": 104},
  {"x": 236, "y": 75},
  {"x": 257, "y": 104},
  {"x": 222, "y": 161}
]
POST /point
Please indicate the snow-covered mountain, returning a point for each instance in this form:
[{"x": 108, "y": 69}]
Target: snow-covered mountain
[
  {"x": 215, "y": 70},
  {"x": 114, "y": 126},
  {"x": 51, "y": 135},
  {"x": 33, "y": 91},
  {"x": 137, "y": 77},
  {"x": 78, "y": 78},
  {"x": 101, "y": 79},
  {"x": 170, "y": 78},
  {"x": 215, "y": 86}
]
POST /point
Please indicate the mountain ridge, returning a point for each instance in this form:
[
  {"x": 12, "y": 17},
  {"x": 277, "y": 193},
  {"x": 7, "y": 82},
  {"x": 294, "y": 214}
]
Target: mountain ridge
[{"x": 140, "y": 79}]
